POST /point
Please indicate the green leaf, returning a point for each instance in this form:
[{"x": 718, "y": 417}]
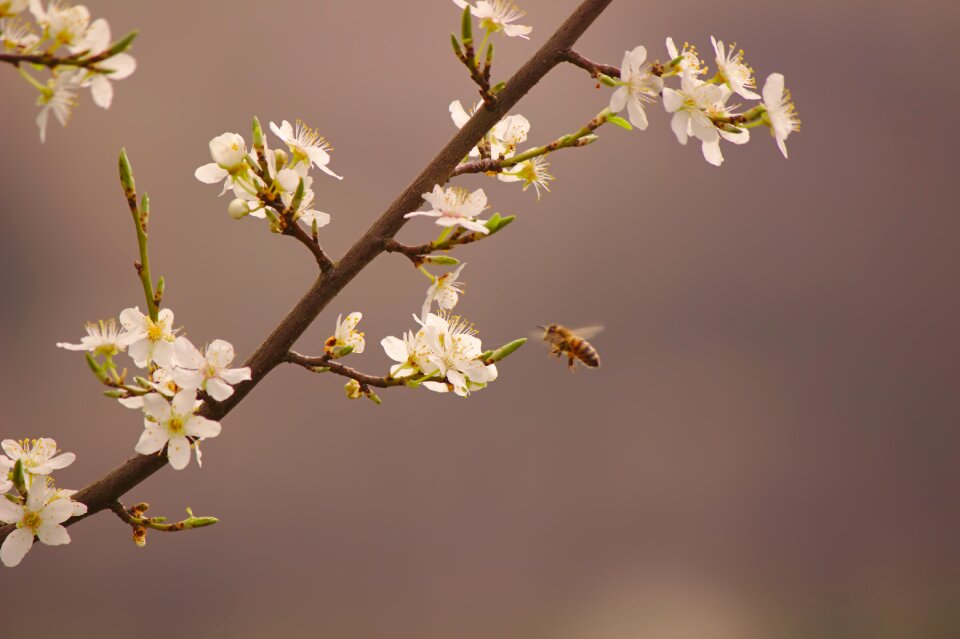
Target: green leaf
[
  {"x": 620, "y": 122},
  {"x": 466, "y": 26}
]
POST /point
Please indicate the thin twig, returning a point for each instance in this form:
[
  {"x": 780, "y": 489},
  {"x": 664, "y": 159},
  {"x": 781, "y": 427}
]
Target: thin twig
[
  {"x": 106, "y": 490},
  {"x": 324, "y": 362},
  {"x": 594, "y": 68},
  {"x": 572, "y": 140}
]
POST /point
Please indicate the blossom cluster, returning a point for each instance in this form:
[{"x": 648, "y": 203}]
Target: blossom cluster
[
  {"x": 93, "y": 61},
  {"x": 267, "y": 183},
  {"x": 701, "y": 108},
  {"x": 38, "y": 508},
  {"x": 177, "y": 373}
]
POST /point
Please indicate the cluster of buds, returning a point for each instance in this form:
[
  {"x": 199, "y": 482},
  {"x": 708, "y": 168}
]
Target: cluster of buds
[
  {"x": 91, "y": 60},
  {"x": 36, "y": 507},
  {"x": 268, "y": 183}
]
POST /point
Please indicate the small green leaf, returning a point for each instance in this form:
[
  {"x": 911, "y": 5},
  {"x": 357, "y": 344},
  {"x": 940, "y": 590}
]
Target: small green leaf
[
  {"x": 457, "y": 51},
  {"x": 122, "y": 45},
  {"x": 444, "y": 260},
  {"x": 466, "y": 26},
  {"x": 620, "y": 122}
]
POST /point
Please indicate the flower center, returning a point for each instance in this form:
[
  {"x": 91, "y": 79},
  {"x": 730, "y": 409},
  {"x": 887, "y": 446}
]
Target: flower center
[
  {"x": 32, "y": 521},
  {"x": 155, "y": 330},
  {"x": 176, "y": 425}
]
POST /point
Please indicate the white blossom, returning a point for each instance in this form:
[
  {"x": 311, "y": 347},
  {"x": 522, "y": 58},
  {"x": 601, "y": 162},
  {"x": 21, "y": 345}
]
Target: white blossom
[
  {"x": 208, "y": 371},
  {"x": 690, "y": 62},
  {"x": 496, "y": 15},
  {"x": 65, "y": 24},
  {"x": 12, "y": 7},
  {"x": 229, "y": 152},
  {"x": 455, "y": 206},
  {"x": 95, "y": 41},
  {"x": 306, "y": 145},
  {"x": 161, "y": 381},
  {"x": 59, "y": 96},
  {"x": 445, "y": 291},
  {"x": 150, "y": 341},
  {"x": 534, "y": 171},
  {"x": 37, "y": 456},
  {"x": 405, "y": 352},
  {"x": 16, "y": 34},
  {"x": 346, "y": 334},
  {"x": 453, "y": 354},
  {"x": 170, "y": 423},
  {"x": 692, "y": 107},
  {"x": 41, "y": 516},
  {"x": 508, "y": 133},
  {"x": 781, "y": 112},
  {"x": 733, "y": 71},
  {"x": 639, "y": 85},
  {"x": 102, "y": 338}
]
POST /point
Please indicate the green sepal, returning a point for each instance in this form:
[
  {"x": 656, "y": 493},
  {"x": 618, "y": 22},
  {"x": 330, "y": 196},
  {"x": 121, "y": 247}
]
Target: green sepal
[
  {"x": 489, "y": 60},
  {"x": 19, "y": 478},
  {"x": 507, "y": 349},
  {"x": 341, "y": 351},
  {"x": 497, "y": 88},
  {"x": 373, "y": 397},
  {"x": 96, "y": 367},
  {"x": 114, "y": 394},
  {"x": 620, "y": 122}
]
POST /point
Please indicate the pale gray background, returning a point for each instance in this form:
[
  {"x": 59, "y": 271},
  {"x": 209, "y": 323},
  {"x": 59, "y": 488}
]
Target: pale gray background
[{"x": 768, "y": 451}]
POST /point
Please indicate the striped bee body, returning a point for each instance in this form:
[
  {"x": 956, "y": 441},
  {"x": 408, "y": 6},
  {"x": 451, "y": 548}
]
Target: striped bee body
[{"x": 573, "y": 344}]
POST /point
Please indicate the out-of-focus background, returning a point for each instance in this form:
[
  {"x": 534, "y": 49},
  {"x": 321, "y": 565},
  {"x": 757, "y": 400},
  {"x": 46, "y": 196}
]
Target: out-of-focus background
[{"x": 769, "y": 450}]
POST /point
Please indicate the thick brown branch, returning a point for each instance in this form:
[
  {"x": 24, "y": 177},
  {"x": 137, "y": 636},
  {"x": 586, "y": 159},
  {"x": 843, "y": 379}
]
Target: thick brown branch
[
  {"x": 339, "y": 369},
  {"x": 274, "y": 349}
]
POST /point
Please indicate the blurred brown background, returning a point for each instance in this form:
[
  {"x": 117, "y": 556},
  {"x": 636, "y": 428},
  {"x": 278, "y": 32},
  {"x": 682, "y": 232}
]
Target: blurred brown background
[{"x": 768, "y": 451}]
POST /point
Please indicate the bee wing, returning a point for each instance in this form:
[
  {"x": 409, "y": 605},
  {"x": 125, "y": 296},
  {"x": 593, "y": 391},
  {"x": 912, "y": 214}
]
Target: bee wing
[{"x": 588, "y": 331}]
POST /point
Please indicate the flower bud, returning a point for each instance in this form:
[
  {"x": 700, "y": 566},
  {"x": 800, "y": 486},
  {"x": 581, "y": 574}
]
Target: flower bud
[
  {"x": 352, "y": 389},
  {"x": 126, "y": 175},
  {"x": 282, "y": 158},
  {"x": 238, "y": 209},
  {"x": 258, "y": 141},
  {"x": 506, "y": 350},
  {"x": 228, "y": 150}
]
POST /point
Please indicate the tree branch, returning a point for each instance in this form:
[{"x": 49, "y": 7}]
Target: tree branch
[{"x": 103, "y": 492}]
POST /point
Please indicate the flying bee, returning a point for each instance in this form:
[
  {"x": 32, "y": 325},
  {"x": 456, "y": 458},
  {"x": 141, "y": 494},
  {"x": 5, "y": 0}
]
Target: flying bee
[{"x": 572, "y": 343}]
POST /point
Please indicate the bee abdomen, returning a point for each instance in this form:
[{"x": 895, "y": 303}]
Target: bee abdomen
[{"x": 588, "y": 354}]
